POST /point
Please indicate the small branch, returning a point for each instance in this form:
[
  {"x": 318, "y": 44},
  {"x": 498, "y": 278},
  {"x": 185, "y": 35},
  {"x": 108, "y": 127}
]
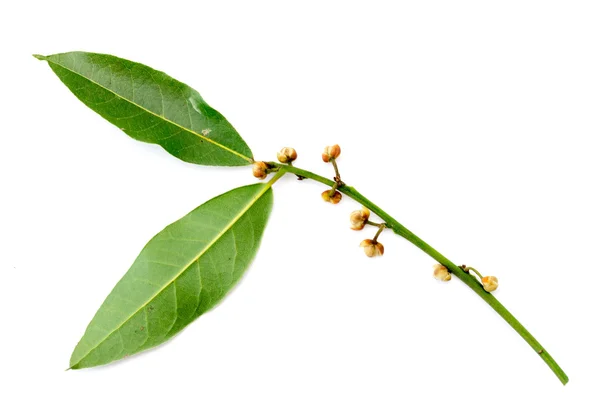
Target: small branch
[
  {"x": 381, "y": 228},
  {"x": 460, "y": 273},
  {"x": 375, "y": 224},
  {"x": 335, "y": 168},
  {"x": 333, "y": 189},
  {"x": 467, "y": 269}
]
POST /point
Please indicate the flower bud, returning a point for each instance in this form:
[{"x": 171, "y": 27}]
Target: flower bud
[
  {"x": 372, "y": 248},
  {"x": 331, "y": 152},
  {"x": 490, "y": 283},
  {"x": 441, "y": 273},
  {"x": 337, "y": 197},
  {"x": 358, "y": 219},
  {"x": 259, "y": 170},
  {"x": 287, "y": 155}
]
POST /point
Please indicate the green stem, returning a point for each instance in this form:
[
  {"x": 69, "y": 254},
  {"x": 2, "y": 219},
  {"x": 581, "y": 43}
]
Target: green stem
[
  {"x": 375, "y": 224},
  {"x": 335, "y": 168},
  {"x": 467, "y": 269},
  {"x": 333, "y": 189},
  {"x": 278, "y": 174},
  {"x": 465, "y": 277},
  {"x": 381, "y": 228}
]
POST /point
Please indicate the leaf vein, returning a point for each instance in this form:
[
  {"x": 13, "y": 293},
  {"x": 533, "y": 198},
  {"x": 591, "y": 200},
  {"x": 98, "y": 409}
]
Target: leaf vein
[
  {"x": 132, "y": 101},
  {"x": 213, "y": 241}
]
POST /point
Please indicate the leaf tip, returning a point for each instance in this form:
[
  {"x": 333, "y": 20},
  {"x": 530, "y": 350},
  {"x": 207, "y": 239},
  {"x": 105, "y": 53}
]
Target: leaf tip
[{"x": 39, "y": 57}]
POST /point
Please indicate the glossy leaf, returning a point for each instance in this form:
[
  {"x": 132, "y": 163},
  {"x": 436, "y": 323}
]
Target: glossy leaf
[
  {"x": 184, "y": 271},
  {"x": 152, "y": 107}
]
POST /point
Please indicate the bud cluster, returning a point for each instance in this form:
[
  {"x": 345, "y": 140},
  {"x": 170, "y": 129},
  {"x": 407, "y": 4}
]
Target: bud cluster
[
  {"x": 358, "y": 219},
  {"x": 372, "y": 248},
  {"x": 334, "y": 198},
  {"x": 441, "y": 273},
  {"x": 260, "y": 170},
  {"x": 287, "y": 155},
  {"x": 330, "y": 153},
  {"x": 490, "y": 283}
]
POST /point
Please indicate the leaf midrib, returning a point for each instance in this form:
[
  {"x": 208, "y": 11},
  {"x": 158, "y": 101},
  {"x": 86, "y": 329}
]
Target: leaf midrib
[
  {"x": 172, "y": 280},
  {"x": 249, "y": 160}
]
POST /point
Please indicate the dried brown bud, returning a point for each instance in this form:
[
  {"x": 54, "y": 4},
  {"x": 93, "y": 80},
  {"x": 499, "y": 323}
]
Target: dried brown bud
[
  {"x": 358, "y": 219},
  {"x": 337, "y": 197},
  {"x": 331, "y": 152},
  {"x": 287, "y": 155},
  {"x": 372, "y": 248},
  {"x": 490, "y": 283},
  {"x": 441, "y": 273},
  {"x": 259, "y": 170}
]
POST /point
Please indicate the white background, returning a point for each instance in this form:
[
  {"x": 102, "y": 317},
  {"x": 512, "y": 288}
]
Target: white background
[{"x": 476, "y": 124}]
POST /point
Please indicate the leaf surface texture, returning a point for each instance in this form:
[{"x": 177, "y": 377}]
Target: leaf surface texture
[
  {"x": 152, "y": 107},
  {"x": 184, "y": 271}
]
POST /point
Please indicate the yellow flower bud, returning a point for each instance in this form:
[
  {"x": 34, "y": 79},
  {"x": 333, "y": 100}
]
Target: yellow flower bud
[
  {"x": 358, "y": 219},
  {"x": 490, "y": 283},
  {"x": 372, "y": 248},
  {"x": 441, "y": 273},
  {"x": 259, "y": 170},
  {"x": 287, "y": 155},
  {"x": 337, "y": 197},
  {"x": 331, "y": 152}
]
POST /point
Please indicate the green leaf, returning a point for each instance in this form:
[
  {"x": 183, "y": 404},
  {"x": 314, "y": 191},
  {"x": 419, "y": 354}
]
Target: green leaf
[
  {"x": 183, "y": 272},
  {"x": 152, "y": 107}
]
